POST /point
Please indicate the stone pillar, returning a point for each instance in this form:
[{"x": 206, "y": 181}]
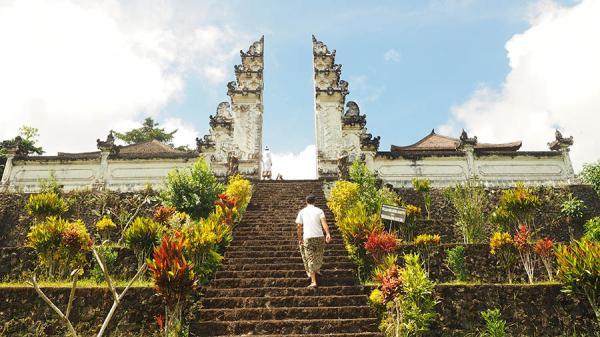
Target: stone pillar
[
  {"x": 5, "y": 182},
  {"x": 467, "y": 145},
  {"x": 562, "y": 144},
  {"x": 106, "y": 147},
  {"x": 236, "y": 128}
]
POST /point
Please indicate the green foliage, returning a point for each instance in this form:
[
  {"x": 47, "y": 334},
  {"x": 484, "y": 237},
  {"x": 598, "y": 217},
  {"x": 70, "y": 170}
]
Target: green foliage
[
  {"x": 470, "y": 202},
  {"x": 149, "y": 131},
  {"x": 572, "y": 207},
  {"x": 517, "y": 206},
  {"x": 61, "y": 245},
  {"x": 357, "y": 224},
  {"x": 495, "y": 326},
  {"x": 579, "y": 270},
  {"x": 412, "y": 310},
  {"x": 25, "y": 143},
  {"x": 142, "y": 236},
  {"x": 366, "y": 180},
  {"x": 455, "y": 261},
  {"x": 423, "y": 186},
  {"x": 109, "y": 254},
  {"x": 50, "y": 184},
  {"x": 592, "y": 229},
  {"x": 343, "y": 196},
  {"x": 192, "y": 190},
  {"x": 46, "y": 204},
  {"x": 591, "y": 175}
]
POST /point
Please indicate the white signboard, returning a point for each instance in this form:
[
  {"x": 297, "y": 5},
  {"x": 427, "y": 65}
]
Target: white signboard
[{"x": 393, "y": 213}]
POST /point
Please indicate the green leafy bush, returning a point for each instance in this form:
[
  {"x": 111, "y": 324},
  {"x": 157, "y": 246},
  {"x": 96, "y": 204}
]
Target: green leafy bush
[
  {"x": 239, "y": 189},
  {"x": 343, "y": 196},
  {"x": 423, "y": 186},
  {"x": 572, "y": 208},
  {"x": 470, "y": 202},
  {"x": 61, "y": 245},
  {"x": 495, "y": 326},
  {"x": 592, "y": 229},
  {"x": 591, "y": 175},
  {"x": 455, "y": 261},
  {"x": 142, "y": 236},
  {"x": 579, "y": 270},
  {"x": 518, "y": 205},
  {"x": 192, "y": 190},
  {"x": 408, "y": 297},
  {"x": 46, "y": 204},
  {"x": 109, "y": 255},
  {"x": 368, "y": 193}
]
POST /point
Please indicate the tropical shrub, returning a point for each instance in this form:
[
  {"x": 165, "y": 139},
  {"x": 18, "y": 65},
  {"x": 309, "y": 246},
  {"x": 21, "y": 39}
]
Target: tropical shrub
[
  {"x": 579, "y": 270},
  {"x": 162, "y": 214},
  {"x": 178, "y": 220},
  {"x": 343, "y": 196},
  {"x": 46, "y": 204},
  {"x": 455, "y": 262},
  {"x": 142, "y": 236},
  {"x": 50, "y": 184},
  {"x": 379, "y": 244},
  {"x": 61, "y": 245},
  {"x": 592, "y": 229},
  {"x": 192, "y": 190},
  {"x": 104, "y": 226},
  {"x": 591, "y": 175},
  {"x": 470, "y": 202},
  {"x": 502, "y": 246},
  {"x": 408, "y": 296},
  {"x": 423, "y": 186},
  {"x": 544, "y": 248},
  {"x": 174, "y": 280},
  {"x": 518, "y": 205},
  {"x": 495, "y": 326},
  {"x": 572, "y": 208},
  {"x": 357, "y": 224},
  {"x": 524, "y": 244},
  {"x": 425, "y": 244},
  {"x": 239, "y": 189},
  {"x": 407, "y": 230},
  {"x": 368, "y": 192},
  {"x": 109, "y": 255},
  {"x": 225, "y": 207}
]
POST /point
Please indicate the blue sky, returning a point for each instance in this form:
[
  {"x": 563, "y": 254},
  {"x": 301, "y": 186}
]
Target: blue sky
[
  {"x": 503, "y": 70},
  {"x": 446, "y": 49}
]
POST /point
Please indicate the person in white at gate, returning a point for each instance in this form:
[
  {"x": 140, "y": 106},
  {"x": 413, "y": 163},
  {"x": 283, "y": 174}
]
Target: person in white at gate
[
  {"x": 267, "y": 162},
  {"x": 310, "y": 224}
]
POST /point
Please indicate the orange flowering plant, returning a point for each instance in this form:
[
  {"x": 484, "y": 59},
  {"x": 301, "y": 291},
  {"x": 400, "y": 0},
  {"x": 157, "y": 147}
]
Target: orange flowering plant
[
  {"x": 524, "y": 246},
  {"x": 544, "y": 248},
  {"x": 379, "y": 244},
  {"x": 502, "y": 246}
]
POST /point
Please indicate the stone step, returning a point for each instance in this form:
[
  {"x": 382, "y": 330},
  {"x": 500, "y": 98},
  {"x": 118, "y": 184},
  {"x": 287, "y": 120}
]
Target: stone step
[
  {"x": 355, "y": 334},
  {"x": 280, "y": 282},
  {"x": 284, "y": 292},
  {"x": 244, "y": 274},
  {"x": 294, "y": 253},
  {"x": 330, "y": 257},
  {"x": 288, "y": 326},
  {"x": 290, "y": 248},
  {"x": 320, "y": 312},
  {"x": 329, "y": 266},
  {"x": 284, "y": 301}
]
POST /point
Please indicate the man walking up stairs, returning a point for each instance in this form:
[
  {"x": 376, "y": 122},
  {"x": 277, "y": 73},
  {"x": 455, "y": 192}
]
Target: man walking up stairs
[{"x": 261, "y": 290}]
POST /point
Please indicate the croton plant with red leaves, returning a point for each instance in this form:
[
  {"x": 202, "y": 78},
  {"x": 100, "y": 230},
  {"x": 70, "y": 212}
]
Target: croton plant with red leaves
[
  {"x": 379, "y": 243},
  {"x": 227, "y": 206}
]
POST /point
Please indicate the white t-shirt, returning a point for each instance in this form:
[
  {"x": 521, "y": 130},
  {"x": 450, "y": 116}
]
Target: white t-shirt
[
  {"x": 267, "y": 161},
  {"x": 310, "y": 218}
]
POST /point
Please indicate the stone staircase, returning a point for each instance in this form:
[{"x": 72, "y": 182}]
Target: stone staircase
[{"x": 260, "y": 289}]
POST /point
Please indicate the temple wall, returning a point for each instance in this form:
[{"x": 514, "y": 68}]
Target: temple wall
[
  {"x": 492, "y": 170},
  {"x": 116, "y": 175}
]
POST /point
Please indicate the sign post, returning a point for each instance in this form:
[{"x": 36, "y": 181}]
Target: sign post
[{"x": 393, "y": 214}]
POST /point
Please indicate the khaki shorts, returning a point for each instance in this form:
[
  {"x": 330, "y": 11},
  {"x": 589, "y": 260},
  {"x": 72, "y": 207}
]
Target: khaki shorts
[{"x": 312, "y": 252}]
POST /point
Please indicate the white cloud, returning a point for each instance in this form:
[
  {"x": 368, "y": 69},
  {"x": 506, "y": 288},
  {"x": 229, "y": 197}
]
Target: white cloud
[
  {"x": 554, "y": 82},
  {"x": 76, "y": 69},
  {"x": 392, "y": 55},
  {"x": 186, "y": 133},
  {"x": 301, "y": 165}
]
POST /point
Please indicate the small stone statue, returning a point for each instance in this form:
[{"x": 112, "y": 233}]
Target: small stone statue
[
  {"x": 232, "y": 164},
  {"x": 343, "y": 166}
]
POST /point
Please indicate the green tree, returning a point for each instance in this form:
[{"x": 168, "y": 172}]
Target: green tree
[
  {"x": 591, "y": 175},
  {"x": 149, "y": 131},
  {"x": 25, "y": 142}
]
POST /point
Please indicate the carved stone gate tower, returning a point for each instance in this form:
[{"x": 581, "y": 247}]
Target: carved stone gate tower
[{"x": 234, "y": 144}]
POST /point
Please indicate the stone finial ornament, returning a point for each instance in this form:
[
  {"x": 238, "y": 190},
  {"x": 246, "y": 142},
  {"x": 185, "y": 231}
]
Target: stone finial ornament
[
  {"x": 108, "y": 144},
  {"x": 560, "y": 142},
  {"x": 256, "y": 49},
  {"x": 224, "y": 110},
  {"x": 320, "y": 49},
  {"x": 204, "y": 143},
  {"x": 465, "y": 140},
  {"x": 368, "y": 142},
  {"x": 352, "y": 116}
]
